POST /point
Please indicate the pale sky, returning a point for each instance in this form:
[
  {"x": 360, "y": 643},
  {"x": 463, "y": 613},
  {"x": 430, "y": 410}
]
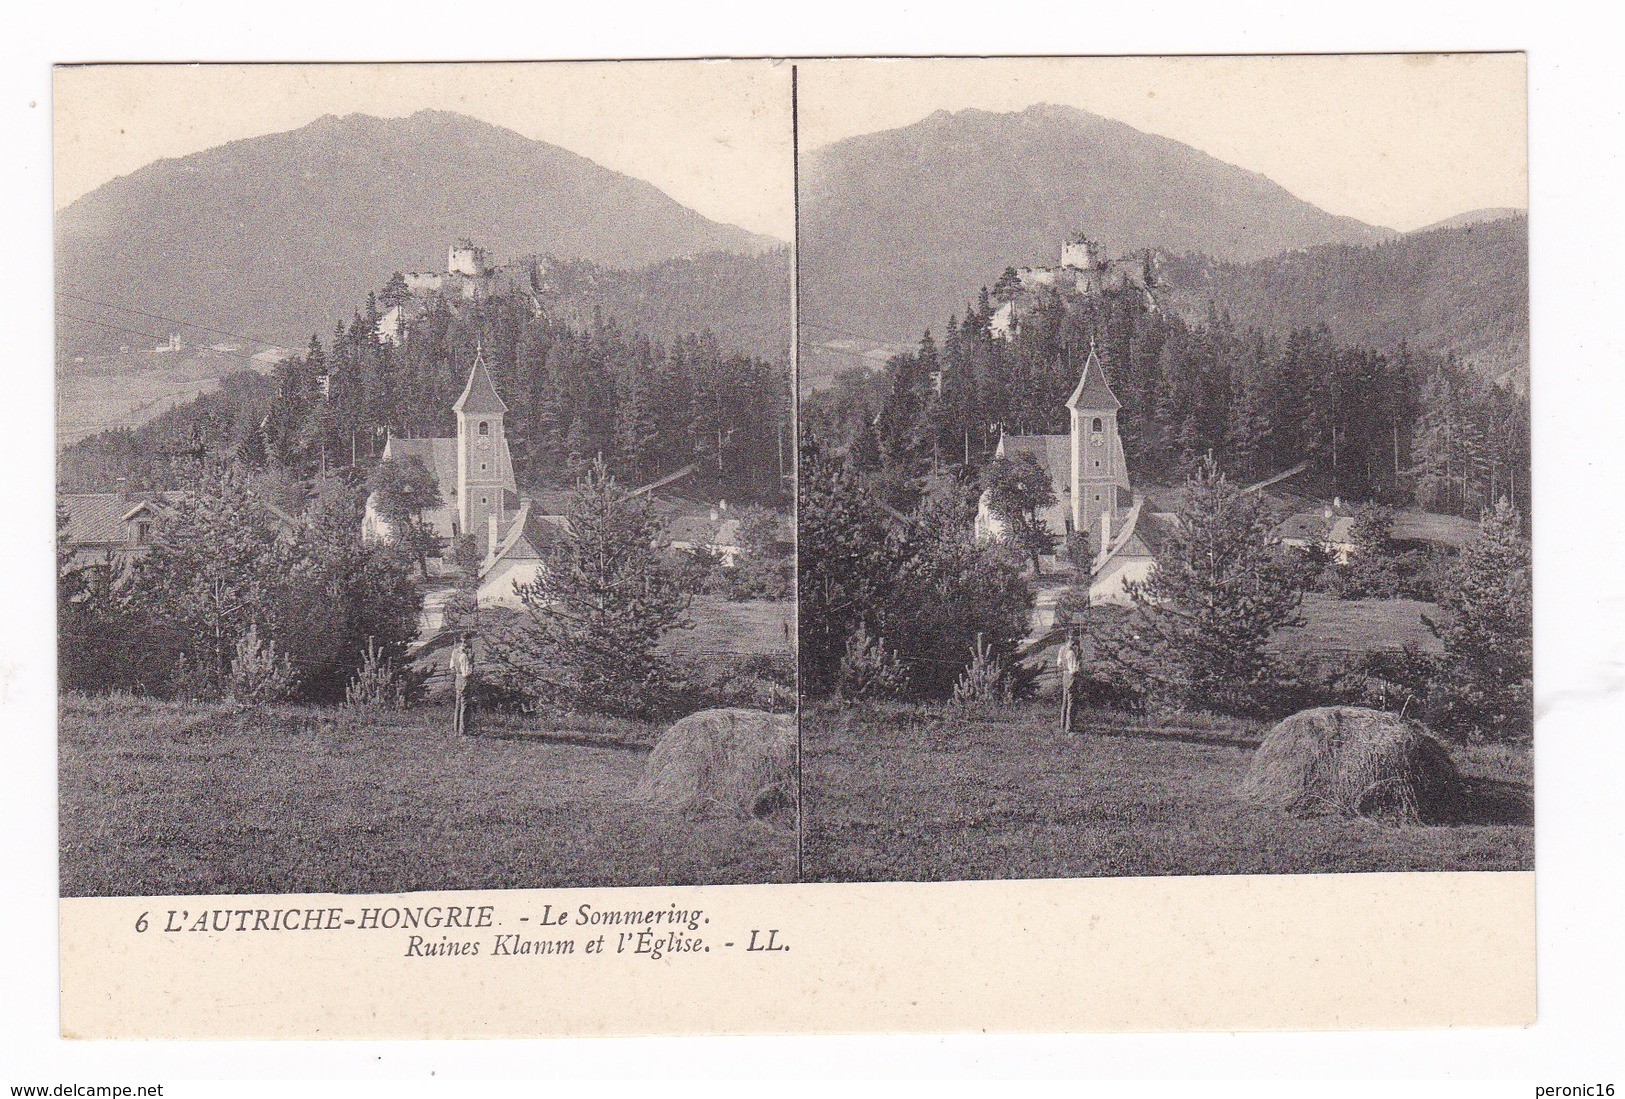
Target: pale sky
[
  {"x": 715, "y": 136},
  {"x": 1394, "y": 140},
  {"x": 1400, "y": 141}
]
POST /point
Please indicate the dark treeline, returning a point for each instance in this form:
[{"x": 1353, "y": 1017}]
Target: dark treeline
[
  {"x": 1405, "y": 429},
  {"x": 573, "y": 394}
]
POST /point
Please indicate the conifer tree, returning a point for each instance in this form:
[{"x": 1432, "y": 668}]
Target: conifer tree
[
  {"x": 1486, "y": 685},
  {"x": 596, "y": 611},
  {"x": 1197, "y": 633},
  {"x": 846, "y": 561}
]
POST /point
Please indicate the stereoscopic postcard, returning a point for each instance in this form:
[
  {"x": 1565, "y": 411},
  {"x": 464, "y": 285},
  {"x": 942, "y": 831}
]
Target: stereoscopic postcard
[{"x": 788, "y": 545}]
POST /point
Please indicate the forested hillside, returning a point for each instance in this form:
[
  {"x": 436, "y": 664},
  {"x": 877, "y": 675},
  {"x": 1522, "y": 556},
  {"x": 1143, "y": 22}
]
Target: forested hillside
[
  {"x": 744, "y": 301},
  {"x": 1459, "y": 288},
  {"x": 573, "y": 392},
  {"x": 1406, "y": 427}
]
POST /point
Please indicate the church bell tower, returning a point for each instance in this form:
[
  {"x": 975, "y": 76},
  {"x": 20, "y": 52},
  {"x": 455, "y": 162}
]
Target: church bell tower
[
  {"x": 482, "y": 455},
  {"x": 1098, "y": 466}
]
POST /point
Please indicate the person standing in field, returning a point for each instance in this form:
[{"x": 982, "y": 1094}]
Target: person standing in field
[
  {"x": 1066, "y": 662},
  {"x": 462, "y": 671}
]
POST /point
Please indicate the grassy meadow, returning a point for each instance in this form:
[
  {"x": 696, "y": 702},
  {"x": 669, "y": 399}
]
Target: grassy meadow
[
  {"x": 901, "y": 793},
  {"x": 723, "y": 630},
  {"x": 165, "y": 798},
  {"x": 1359, "y": 625}
]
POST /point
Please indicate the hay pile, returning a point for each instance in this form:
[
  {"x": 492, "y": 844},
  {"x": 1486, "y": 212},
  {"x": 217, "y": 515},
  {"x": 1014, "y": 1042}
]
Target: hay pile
[
  {"x": 725, "y": 763},
  {"x": 1354, "y": 762}
]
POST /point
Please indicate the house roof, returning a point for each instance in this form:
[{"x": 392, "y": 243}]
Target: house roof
[
  {"x": 100, "y": 517},
  {"x": 1093, "y": 391},
  {"x": 531, "y": 537},
  {"x": 480, "y": 394},
  {"x": 440, "y": 455},
  {"x": 1144, "y": 533}
]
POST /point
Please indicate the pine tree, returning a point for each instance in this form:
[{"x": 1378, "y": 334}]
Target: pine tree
[
  {"x": 1008, "y": 286},
  {"x": 1370, "y": 572},
  {"x": 1200, "y": 623},
  {"x": 395, "y": 291},
  {"x": 846, "y": 562},
  {"x": 596, "y": 611},
  {"x": 637, "y": 427},
  {"x": 1486, "y": 689},
  {"x": 214, "y": 570}
]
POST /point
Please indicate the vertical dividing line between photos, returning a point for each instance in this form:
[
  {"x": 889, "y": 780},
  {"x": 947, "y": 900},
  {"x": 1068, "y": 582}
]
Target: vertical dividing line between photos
[{"x": 795, "y": 435}]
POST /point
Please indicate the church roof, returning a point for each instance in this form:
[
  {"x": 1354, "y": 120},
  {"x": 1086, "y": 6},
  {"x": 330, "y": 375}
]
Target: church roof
[
  {"x": 480, "y": 394},
  {"x": 1053, "y": 453},
  {"x": 439, "y": 455},
  {"x": 1093, "y": 391}
]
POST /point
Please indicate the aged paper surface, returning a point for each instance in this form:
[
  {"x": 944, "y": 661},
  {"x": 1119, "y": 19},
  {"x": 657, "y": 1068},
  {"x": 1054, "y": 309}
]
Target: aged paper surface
[
  {"x": 1241, "y": 952},
  {"x": 1313, "y": 952}
]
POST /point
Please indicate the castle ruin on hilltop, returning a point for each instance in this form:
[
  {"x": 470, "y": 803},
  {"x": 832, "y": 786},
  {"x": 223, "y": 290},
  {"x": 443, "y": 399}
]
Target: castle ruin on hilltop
[{"x": 1084, "y": 271}]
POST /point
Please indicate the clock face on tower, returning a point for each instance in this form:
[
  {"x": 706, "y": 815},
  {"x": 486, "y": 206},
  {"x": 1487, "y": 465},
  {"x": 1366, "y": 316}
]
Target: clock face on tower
[
  {"x": 1097, "y": 439},
  {"x": 483, "y": 444}
]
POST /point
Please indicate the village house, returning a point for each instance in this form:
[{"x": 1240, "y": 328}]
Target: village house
[
  {"x": 105, "y": 527},
  {"x": 715, "y": 531},
  {"x": 1330, "y": 529},
  {"x": 109, "y": 530}
]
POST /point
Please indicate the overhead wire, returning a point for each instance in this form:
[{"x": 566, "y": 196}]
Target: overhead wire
[{"x": 170, "y": 320}]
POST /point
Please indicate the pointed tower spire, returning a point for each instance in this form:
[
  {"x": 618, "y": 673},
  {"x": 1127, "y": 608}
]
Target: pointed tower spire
[
  {"x": 484, "y": 466},
  {"x": 1093, "y": 391},
  {"x": 480, "y": 394}
]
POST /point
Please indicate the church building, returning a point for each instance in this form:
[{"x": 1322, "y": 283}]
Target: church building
[
  {"x": 474, "y": 471},
  {"x": 1089, "y": 472}
]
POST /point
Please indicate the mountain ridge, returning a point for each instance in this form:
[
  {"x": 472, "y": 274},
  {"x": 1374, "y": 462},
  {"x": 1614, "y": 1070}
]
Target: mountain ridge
[
  {"x": 273, "y": 234},
  {"x": 897, "y": 224}
]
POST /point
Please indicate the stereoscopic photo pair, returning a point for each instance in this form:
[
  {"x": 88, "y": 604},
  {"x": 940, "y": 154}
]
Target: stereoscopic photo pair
[{"x": 677, "y": 473}]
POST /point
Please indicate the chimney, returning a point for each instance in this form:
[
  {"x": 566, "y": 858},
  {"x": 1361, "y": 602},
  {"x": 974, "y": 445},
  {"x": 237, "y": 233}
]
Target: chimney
[
  {"x": 713, "y": 515},
  {"x": 1105, "y": 530},
  {"x": 491, "y": 536}
]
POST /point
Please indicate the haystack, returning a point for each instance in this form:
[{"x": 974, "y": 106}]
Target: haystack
[
  {"x": 725, "y": 763},
  {"x": 1355, "y": 762}
]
